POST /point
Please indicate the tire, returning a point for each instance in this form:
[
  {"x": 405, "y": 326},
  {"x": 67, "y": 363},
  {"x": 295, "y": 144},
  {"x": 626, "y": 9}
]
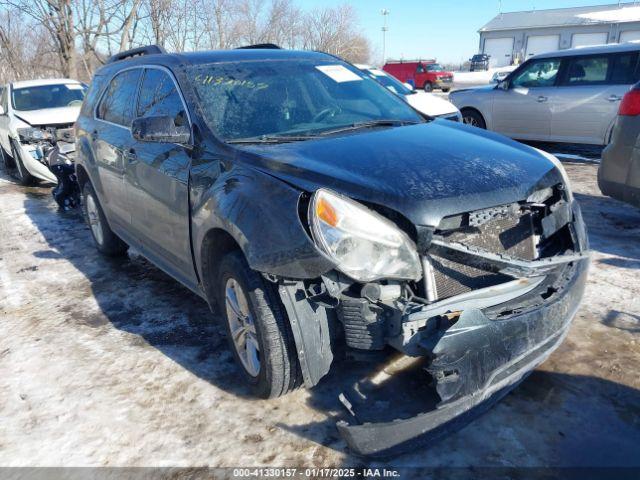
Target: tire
[
  {"x": 427, "y": 87},
  {"x": 264, "y": 348},
  {"x": 473, "y": 117},
  {"x": 24, "y": 177},
  {"x": 445, "y": 90},
  {"x": 107, "y": 242}
]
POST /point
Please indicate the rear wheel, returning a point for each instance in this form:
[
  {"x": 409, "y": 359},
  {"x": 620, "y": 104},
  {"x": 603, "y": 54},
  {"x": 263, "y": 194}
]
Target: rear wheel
[
  {"x": 473, "y": 118},
  {"x": 428, "y": 86},
  {"x": 106, "y": 241},
  {"x": 258, "y": 329},
  {"x": 24, "y": 177}
]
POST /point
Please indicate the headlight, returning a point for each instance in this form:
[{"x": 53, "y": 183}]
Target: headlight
[
  {"x": 30, "y": 134},
  {"x": 565, "y": 178},
  {"x": 365, "y": 245}
]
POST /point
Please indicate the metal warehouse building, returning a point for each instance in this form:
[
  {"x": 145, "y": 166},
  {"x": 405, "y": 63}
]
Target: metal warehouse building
[{"x": 516, "y": 36}]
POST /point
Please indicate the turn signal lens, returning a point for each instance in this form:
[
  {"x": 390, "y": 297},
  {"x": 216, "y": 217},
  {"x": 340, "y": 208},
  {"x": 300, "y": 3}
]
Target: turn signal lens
[{"x": 326, "y": 212}]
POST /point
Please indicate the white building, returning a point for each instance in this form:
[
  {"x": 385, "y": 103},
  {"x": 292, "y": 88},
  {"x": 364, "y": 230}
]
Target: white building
[{"x": 519, "y": 35}]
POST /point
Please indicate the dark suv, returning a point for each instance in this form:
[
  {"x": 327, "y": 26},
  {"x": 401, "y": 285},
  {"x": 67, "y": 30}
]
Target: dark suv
[
  {"x": 480, "y": 61},
  {"x": 318, "y": 213}
]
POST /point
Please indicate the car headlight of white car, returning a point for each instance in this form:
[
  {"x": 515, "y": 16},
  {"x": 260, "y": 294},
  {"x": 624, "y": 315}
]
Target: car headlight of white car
[
  {"x": 364, "y": 245},
  {"x": 31, "y": 134}
]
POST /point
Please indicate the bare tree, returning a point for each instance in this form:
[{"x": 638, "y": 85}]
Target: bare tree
[
  {"x": 334, "y": 30},
  {"x": 82, "y": 34},
  {"x": 25, "y": 48},
  {"x": 57, "y": 17}
]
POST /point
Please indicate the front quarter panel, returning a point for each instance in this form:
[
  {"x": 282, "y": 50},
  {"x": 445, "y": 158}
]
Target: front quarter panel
[
  {"x": 480, "y": 99},
  {"x": 260, "y": 212}
]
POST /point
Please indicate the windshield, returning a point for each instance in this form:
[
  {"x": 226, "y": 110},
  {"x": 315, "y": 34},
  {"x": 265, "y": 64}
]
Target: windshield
[
  {"x": 478, "y": 58},
  {"x": 434, "y": 67},
  {"x": 48, "y": 96},
  {"x": 249, "y": 99},
  {"x": 392, "y": 83}
]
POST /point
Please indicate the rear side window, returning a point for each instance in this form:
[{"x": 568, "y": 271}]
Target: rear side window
[
  {"x": 624, "y": 69},
  {"x": 159, "y": 96},
  {"x": 118, "y": 102},
  {"x": 587, "y": 71}
]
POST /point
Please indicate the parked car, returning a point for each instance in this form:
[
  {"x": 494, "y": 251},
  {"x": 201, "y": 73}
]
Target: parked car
[
  {"x": 619, "y": 171},
  {"x": 36, "y": 134},
  {"x": 313, "y": 208},
  {"x": 565, "y": 96},
  {"x": 424, "y": 102},
  {"x": 425, "y": 74},
  {"x": 480, "y": 61}
]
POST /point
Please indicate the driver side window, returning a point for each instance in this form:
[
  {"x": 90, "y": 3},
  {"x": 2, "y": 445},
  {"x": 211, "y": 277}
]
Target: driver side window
[{"x": 539, "y": 73}]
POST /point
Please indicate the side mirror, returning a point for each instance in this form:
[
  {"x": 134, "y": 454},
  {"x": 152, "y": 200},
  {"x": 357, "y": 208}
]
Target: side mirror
[
  {"x": 160, "y": 129},
  {"x": 408, "y": 85},
  {"x": 503, "y": 85}
]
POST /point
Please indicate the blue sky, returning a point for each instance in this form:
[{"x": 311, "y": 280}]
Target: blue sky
[{"x": 446, "y": 30}]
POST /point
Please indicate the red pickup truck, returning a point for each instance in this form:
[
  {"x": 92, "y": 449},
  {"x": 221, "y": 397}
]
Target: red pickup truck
[{"x": 425, "y": 74}]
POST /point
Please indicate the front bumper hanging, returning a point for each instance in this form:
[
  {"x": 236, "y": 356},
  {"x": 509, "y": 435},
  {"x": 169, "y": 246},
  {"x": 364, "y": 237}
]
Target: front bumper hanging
[{"x": 482, "y": 355}]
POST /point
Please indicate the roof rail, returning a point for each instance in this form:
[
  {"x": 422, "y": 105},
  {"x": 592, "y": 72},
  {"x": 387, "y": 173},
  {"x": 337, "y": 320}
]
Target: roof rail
[
  {"x": 266, "y": 46},
  {"x": 136, "y": 52},
  {"x": 411, "y": 60}
]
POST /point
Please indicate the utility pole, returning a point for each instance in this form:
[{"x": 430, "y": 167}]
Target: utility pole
[{"x": 384, "y": 12}]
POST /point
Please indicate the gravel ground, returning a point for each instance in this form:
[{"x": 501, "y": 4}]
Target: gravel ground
[{"x": 111, "y": 362}]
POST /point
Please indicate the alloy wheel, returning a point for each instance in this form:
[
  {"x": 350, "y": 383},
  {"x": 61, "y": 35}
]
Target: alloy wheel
[
  {"x": 242, "y": 327},
  {"x": 94, "y": 219},
  {"x": 470, "y": 121}
]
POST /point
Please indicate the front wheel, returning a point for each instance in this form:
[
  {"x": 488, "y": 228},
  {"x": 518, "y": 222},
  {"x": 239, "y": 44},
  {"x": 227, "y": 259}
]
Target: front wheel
[
  {"x": 473, "y": 118},
  {"x": 445, "y": 90},
  {"x": 428, "y": 87},
  {"x": 106, "y": 241},
  {"x": 258, "y": 329}
]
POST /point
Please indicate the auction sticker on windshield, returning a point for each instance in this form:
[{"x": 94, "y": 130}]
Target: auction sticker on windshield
[{"x": 338, "y": 73}]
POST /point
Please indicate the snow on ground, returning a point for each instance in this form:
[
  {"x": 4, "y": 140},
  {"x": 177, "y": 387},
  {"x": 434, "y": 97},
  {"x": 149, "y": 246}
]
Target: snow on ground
[
  {"x": 111, "y": 362},
  {"x": 472, "y": 79}
]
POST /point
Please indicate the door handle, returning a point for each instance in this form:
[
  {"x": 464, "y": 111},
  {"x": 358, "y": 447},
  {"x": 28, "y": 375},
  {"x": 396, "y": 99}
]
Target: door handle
[
  {"x": 614, "y": 98},
  {"x": 542, "y": 99},
  {"x": 131, "y": 157}
]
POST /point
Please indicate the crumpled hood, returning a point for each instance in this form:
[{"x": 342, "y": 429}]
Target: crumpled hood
[
  {"x": 49, "y": 116},
  {"x": 426, "y": 171}
]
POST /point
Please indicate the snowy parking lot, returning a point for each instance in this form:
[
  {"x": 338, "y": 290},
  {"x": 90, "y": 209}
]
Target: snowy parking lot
[{"x": 111, "y": 362}]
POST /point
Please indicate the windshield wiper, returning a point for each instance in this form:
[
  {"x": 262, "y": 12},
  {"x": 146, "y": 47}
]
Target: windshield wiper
[
  {"x": 272, "y": 139},
  {"x": 369, "y": 124}
]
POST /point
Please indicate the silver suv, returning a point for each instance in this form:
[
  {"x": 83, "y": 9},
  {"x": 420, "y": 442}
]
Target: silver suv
[{"x": 565, "y": 96}]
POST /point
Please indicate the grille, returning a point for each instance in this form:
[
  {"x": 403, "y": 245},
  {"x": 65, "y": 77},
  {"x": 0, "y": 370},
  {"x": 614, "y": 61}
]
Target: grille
[{"x": 497, "y": 231}]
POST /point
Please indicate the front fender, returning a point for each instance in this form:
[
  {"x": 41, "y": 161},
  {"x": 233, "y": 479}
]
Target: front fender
[{"x": 261, "y": 213}]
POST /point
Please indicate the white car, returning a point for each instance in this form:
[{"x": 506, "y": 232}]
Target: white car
[
  {"x": 29, "y": 110},
  {"x": 424, "y": 102},
  {"x": 569, "y": 96}
]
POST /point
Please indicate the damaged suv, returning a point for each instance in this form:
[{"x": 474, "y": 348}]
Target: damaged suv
[{"x": 316, "y": 210}]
